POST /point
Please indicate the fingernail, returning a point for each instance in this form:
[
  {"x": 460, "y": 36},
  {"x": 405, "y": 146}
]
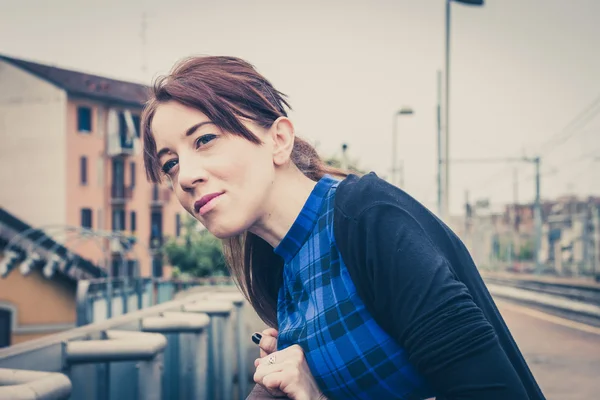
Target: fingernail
[{"x": 256, "y": 338}]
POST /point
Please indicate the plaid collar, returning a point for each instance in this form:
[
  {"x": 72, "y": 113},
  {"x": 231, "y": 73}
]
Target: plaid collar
[{"x": 304, "y": 223}]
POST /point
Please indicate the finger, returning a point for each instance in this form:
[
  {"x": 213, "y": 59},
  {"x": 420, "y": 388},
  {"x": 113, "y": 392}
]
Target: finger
[
  {"x": 271, "y": 332},
  {"x": 273, "y": 381},
  {"x": 277, "y": 357},
  {"x": 264, "y": 370},
  {"x": 268, "y": 345}
]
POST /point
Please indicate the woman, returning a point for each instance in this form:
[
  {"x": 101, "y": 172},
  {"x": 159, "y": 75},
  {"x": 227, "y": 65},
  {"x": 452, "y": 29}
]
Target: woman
[{"x": 368, "y": 293}]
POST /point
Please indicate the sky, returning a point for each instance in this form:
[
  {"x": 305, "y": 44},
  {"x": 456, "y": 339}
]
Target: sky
[{"x": 522, "y": 74}]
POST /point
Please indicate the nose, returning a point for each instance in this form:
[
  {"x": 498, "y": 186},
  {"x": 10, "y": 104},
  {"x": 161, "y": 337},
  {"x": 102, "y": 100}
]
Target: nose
[{"x": 191, "y": 174}]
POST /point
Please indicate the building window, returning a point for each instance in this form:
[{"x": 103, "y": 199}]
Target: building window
[
  {"x": 5, "y": 327},
  {"x": 132, "y": 165},
  {"x": 116, "y": 266},
  {"x": 157, "y": 266},
  {"x": 83, "y": 170},
  {"x": 118, "y": 220},
  {"x": 136, "y": 124},
  {"x": 132, "y": 269},
  {"x": 156, "y": 224},
  {"x": 132, "y": 221},
  {"x": 84, "y": 119},
  {"x": 86, "y": 218},
  {"x": 177, "y": 225}
]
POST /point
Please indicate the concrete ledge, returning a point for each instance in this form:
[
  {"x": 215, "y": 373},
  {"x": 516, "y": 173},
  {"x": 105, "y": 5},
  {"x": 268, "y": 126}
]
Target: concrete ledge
[
  {"x": 543, "y": 299},
  {"x": 30, "y": 385}
]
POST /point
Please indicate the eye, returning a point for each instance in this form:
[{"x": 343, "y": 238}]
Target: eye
[
  {"x": 203, "y": 140},
  {"x": 168, "y": 166}
]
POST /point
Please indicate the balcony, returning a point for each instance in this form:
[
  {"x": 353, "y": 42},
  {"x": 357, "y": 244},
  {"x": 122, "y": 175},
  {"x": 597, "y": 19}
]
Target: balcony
[
  {"x": 119, "y": 193},
  {"x": 159, "y": 196},
  {"x": 140, "y": 339},
  {"x": 123, "y": 138}
]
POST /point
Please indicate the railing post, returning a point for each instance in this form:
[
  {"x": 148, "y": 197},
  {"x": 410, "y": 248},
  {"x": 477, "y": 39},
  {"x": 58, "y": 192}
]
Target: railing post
[
  {"x": 149, "y": 378},
  {"x": 83, "y": 304},
  {"x": 108, "y": 296},
  {"x": 192, "y": 369},
  {"x": 242, "y": 373},
  {"x": 123, "y": 346},
  {"x": 218, "y": 360},
  {"x": 139, "y": 290},
  {"x": 125, "y": 295}
]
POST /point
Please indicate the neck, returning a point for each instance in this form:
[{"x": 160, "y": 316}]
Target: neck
[{"x": 288, "y": 196}]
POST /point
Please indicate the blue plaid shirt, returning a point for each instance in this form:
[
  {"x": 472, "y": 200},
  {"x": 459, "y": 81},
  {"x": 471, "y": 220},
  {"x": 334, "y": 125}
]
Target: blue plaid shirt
[{"x": 349, "y": 354}]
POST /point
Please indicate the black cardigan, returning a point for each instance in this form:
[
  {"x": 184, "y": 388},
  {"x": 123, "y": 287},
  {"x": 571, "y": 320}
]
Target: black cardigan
[{"x": 419, "y": 282}]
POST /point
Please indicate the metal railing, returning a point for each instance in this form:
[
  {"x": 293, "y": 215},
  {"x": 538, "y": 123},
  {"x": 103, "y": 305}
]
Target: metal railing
[{"x": 139, "y": 344}]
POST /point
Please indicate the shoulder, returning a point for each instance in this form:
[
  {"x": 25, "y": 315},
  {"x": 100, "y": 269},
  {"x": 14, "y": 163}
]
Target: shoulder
[
  {"x": 370, "y": 206},
  {"x": 355, "y": 195}
]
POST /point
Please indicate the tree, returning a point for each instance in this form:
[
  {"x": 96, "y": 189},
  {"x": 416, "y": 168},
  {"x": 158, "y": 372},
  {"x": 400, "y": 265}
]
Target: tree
[{"x": 196, "y": 252}]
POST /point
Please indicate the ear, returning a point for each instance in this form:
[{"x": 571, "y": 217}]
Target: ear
[{"x": 282, "y": 134}]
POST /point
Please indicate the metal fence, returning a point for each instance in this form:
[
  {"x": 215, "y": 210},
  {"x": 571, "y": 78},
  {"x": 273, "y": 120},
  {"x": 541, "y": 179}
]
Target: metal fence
[{"x": 135, "y": 342}]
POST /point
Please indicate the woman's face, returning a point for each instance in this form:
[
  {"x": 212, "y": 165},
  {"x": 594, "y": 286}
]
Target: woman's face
[{"x": 220, "y": 178}]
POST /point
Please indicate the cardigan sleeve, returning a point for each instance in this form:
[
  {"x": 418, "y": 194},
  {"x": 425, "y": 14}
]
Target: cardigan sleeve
[{"x": 415, "y": 296}]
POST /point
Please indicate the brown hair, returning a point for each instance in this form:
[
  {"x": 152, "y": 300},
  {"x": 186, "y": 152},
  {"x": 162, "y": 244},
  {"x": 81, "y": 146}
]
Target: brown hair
[{"x": 226, "y": 89}]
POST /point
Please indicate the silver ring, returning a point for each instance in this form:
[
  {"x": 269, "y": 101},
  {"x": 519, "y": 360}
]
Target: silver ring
[{"x": 271, "y": 359}]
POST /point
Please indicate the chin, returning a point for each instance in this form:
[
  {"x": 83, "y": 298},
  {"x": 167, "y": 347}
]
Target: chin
[{"x": 223, "y": 231}]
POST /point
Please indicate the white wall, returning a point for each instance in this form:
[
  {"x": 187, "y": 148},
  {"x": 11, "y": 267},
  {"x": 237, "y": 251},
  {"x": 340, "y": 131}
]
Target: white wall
[{"x": 32, "y": 147}]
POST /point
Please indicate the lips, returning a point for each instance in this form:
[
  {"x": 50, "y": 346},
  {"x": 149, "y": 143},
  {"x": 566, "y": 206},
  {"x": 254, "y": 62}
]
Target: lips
[{"x": 204, "y": 200}]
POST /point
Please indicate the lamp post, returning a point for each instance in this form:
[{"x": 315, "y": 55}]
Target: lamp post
[
  {"x": 402, "y": 111},
  {"x": 447, "y": 108},
  {"x": 344, "y": 162}
]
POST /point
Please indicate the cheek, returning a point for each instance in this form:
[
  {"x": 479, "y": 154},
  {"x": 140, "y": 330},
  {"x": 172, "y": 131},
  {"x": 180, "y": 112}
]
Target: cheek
[{"x": 244, "y": 165}]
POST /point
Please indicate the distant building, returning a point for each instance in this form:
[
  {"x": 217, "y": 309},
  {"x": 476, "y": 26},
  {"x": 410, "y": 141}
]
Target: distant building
[
  {"x": 568, "y": 235},
  {"x": 70, "y": 155}
]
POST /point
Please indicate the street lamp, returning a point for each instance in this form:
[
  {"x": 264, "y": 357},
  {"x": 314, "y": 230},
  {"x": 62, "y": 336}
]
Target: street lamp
[
  {"x": 402, "y": 111},
  {"x": 344, "y": 163},
  {"x": 447, "y": 112}
]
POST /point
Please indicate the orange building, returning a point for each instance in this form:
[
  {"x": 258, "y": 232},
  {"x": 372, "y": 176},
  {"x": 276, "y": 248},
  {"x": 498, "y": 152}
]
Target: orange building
[
  {"x": 71, "y": 157},
  {"x": 38, "y": 282}
]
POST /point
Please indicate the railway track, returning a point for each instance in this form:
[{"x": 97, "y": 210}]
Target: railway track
[{"x": 581, "y": 293}]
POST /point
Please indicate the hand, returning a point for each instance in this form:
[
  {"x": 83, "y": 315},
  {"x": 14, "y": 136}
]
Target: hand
[
  {"x": 268, "y": 345},
  {"x": 287, "y": 372}
]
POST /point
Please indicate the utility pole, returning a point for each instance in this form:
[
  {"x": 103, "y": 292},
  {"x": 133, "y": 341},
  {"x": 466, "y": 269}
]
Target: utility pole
[
  {"x": 537, "y": 217},
  {"x": 401, "y": 173},
  {"x": 440, "y": 208},
  {"x": 447, "y": 101},
  {"x": 596, "y": 222},
  {"x": 516, "y": 245},
  {"x": 402, "y": 111}
]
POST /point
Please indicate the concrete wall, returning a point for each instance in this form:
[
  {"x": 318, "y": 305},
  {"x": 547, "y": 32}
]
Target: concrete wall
[
  {"x": 32, "y": 147},
  {"x": 40, "y": 306}
]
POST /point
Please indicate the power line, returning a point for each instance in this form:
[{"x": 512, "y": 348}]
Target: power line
[{"x": 572, "y": 127}]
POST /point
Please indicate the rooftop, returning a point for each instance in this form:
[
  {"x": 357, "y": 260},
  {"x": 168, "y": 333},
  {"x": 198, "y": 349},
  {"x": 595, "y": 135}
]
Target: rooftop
[{"x": 86, "y": 85}]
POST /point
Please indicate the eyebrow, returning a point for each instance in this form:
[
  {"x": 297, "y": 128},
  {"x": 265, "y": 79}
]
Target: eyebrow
[{"x": 189, "y": 132}]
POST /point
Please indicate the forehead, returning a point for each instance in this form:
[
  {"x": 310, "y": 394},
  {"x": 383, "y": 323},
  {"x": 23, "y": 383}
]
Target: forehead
[{"x": 172, "y": 119}]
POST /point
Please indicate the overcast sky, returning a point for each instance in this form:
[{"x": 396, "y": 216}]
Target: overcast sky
[{"x": 522, "y": 70}]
